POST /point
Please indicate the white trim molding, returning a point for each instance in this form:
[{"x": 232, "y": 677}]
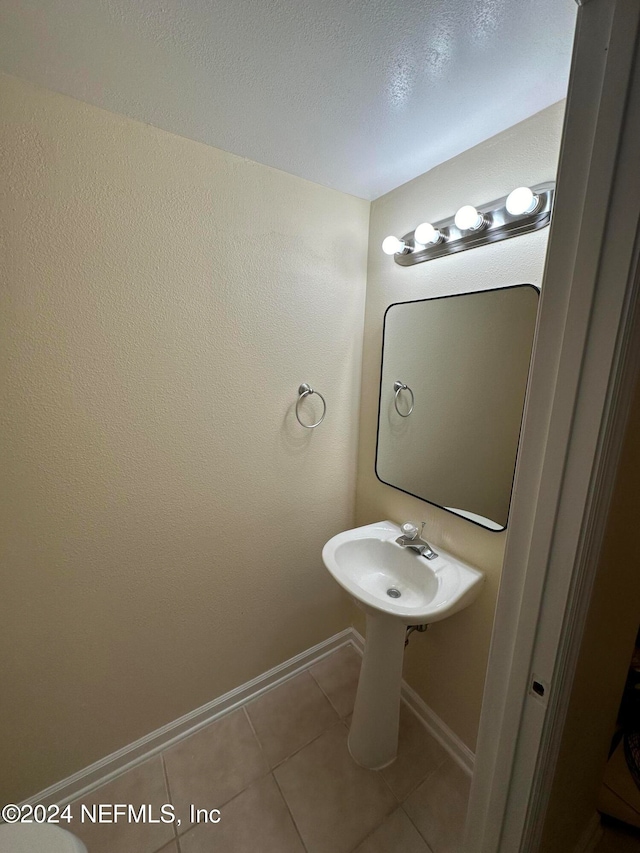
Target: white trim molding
[
  {"x": 85, "y": 781},
  {"x": 458, "y": 750},
  {"x": 108, "y": 768},
  {"x": 584, "y": 367}
]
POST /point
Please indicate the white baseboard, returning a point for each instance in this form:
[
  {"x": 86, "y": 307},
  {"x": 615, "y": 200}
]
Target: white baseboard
[
  {"x": 458, "y": 750},
  {"x": 97, "y": 774},
  {"x": 106, "y": 769},
  {"x": 591, "y": 836}
]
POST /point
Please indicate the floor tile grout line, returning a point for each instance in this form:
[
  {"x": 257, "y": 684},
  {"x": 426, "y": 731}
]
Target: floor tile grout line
[
  {"x": 263, "y": 775},
  {"x": 395, "y": 796},
  {"x": 226, "y": 803},
  {"x": 166, "y": 782},
  {"x": 417, "y": 829},
  {"x": 266, "y": 761},
  {"x": 375, "y": 828},
  {"x": 382, "y": 776},
  {"x": 293, "y": 820},
  {"x": 297, "y": 750},
  {"x": 426, "y": 728},
  {"x": 168, "y": 845},
  {"x": 290, "y": 755},
  {"x": 403, "y": 804},
  {"x": 397, "y": 804},
  {"x": 185, "y": 833},
  {"x": 313, "y": 740},
  {"x": 262, "y": 752},
  {"x": 239, "y": 794},
  {"x": 255, "y": 734},
  {"x": 165, "y": 844},
  {"x": 431, "y": 773},
  {"x": 323, "y": 691},
  {"x": 428, "y": 775},
  {"x": 259, "y": 742},
  {"x": 378, "y": 825},
  {"x": 320, "y": 685}
]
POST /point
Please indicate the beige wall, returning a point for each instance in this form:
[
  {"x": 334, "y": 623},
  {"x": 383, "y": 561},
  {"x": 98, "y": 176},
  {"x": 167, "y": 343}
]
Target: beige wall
[
  {"x": 447, "y": 664},
  {"x": 162, "y": 514},
  {"x": 605, "y": 654}
]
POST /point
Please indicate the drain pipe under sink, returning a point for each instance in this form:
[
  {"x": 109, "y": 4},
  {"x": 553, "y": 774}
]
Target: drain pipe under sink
[{"x": 411, "y": 629}]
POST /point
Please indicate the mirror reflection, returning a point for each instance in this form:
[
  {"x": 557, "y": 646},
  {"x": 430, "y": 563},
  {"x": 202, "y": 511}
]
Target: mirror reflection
[{"x": 454, "y": 375}]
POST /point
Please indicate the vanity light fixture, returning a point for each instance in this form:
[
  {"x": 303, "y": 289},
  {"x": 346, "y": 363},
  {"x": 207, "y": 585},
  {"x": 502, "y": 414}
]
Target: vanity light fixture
[
  {"x": 468, "y": 219},
  {"x": 521, "y": 200},
  {"x": 524, "y": 209},
  {"x": 392, "y": 246},
  {"x": 427, "y": 235}
]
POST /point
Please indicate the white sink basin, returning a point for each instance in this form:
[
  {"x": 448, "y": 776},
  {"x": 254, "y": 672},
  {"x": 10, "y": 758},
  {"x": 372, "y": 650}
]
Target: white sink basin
[
  {"x": 372, "y": 568},
  {"x": 396, "y": 587}
]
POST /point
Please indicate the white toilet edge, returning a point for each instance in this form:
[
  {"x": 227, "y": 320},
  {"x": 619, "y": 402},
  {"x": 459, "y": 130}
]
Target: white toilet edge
[{"x": 30, "y": 838}]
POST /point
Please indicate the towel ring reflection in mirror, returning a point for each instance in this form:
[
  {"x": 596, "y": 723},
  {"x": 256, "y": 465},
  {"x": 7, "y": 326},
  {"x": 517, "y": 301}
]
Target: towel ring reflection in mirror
[
  {"x": 398, "y": 387},
  {"x": 306, "y": 391}
]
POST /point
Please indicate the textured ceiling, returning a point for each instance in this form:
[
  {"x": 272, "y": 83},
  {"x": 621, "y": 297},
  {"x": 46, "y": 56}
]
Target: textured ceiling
[{"x": 360, "y": 95}]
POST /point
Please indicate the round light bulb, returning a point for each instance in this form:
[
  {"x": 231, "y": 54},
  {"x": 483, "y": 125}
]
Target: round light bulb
[
  {"x": 425, "y": 234},
  {"x": 520, "y": 201},
  {"x": 392, "y": 246},
  {"x": 468, "y": 218}
]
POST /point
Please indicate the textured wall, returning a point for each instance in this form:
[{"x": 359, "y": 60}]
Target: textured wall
[
  {"x": 447, "y": 665},
  {"x": 162, "y": 515}
]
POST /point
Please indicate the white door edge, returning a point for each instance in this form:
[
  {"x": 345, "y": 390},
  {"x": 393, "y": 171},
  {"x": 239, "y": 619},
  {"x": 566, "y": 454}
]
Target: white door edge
[{"x": 584, "y": 366}]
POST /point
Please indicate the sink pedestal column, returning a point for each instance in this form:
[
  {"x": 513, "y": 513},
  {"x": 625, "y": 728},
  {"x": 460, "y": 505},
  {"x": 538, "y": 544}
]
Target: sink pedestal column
[{"x": 373, "y": 738}]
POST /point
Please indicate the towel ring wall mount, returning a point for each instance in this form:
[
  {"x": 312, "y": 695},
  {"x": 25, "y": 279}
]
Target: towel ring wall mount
[
  {"x": 306, "y": 390},
  {"x": 398, "y": 387}
]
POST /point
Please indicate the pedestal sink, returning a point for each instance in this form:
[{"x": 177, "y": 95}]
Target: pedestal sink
[{"x": 396, "y": 587}]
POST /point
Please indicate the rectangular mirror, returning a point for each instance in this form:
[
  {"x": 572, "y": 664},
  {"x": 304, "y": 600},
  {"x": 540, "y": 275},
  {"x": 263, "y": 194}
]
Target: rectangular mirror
[{"x": 453, "y": 382}]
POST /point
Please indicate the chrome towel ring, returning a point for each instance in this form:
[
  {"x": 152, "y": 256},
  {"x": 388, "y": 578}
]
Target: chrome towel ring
[
  {"x": 398, "y": 387},
  {"x": 305, "y": 391}
]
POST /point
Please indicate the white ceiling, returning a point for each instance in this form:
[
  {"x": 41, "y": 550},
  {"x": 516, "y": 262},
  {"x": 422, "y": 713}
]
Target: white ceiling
[{"x": 360, "y": 95}]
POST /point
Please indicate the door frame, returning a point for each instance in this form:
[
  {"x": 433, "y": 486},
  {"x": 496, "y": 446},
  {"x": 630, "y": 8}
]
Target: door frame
[{"x": 585, "y": 364}]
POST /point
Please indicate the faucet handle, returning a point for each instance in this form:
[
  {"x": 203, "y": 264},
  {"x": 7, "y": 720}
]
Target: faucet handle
[{"x": 409, "y": 530}]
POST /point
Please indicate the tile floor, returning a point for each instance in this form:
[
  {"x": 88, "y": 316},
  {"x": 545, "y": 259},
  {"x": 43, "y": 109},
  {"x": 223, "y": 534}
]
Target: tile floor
[{"x": 280, "y": 773}]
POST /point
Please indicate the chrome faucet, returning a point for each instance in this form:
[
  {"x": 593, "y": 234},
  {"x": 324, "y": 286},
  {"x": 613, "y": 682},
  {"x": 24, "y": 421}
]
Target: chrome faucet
[{"x": 410, "y": 539}]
